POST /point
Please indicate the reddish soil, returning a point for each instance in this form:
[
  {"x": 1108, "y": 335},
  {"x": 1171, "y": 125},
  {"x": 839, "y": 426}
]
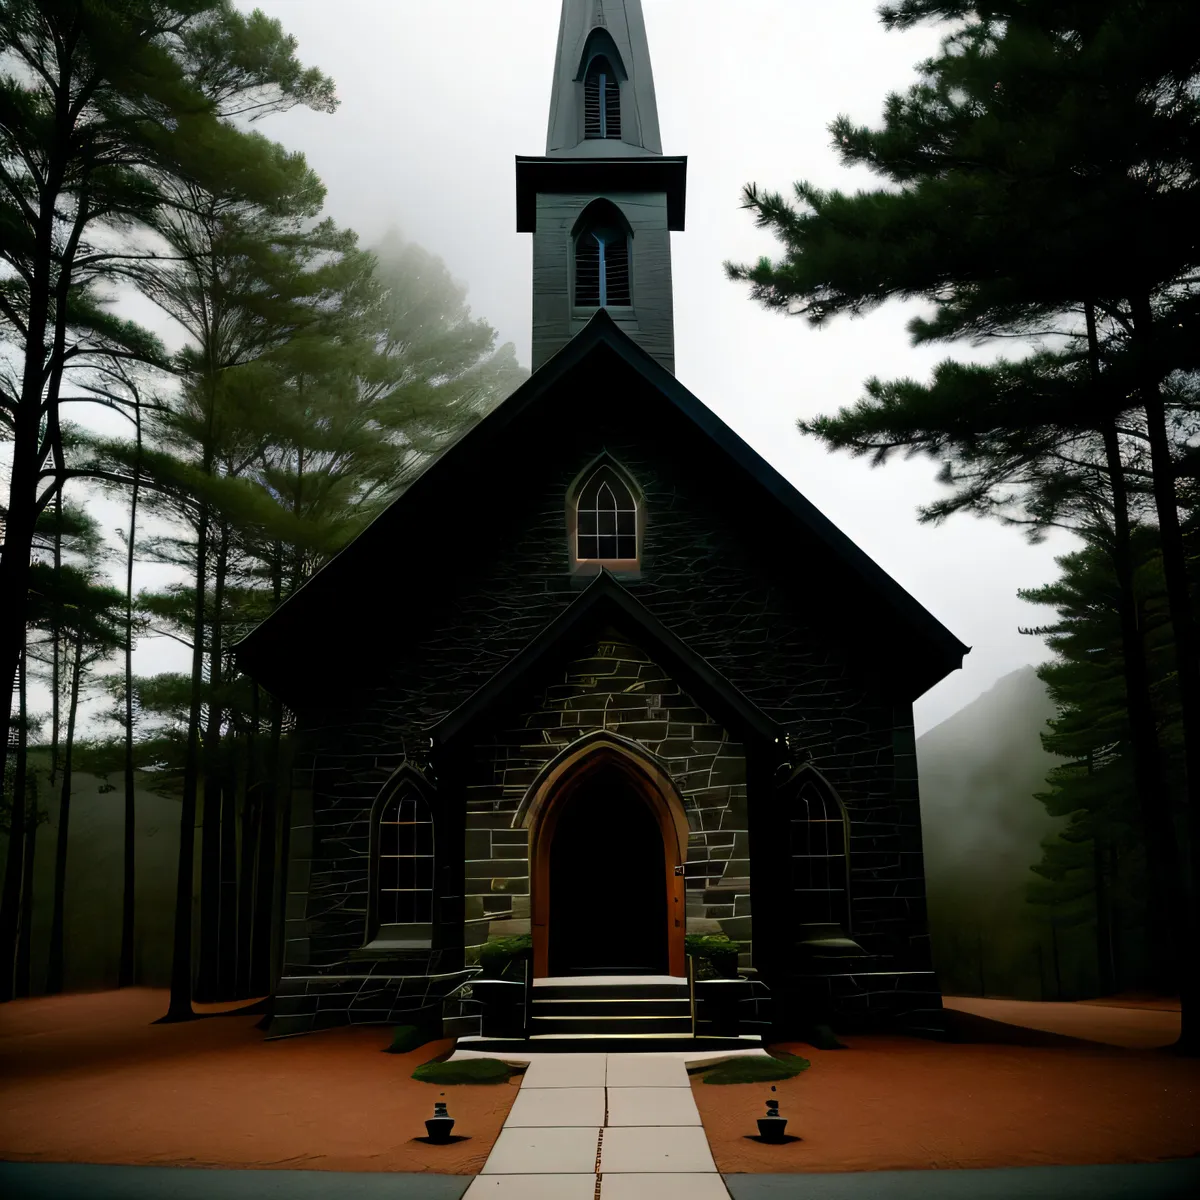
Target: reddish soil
[
  {"x": 88, "y": 1078},
  {"x": 1135, "y": 1024},
  {"x": 893, "y": 1103}
]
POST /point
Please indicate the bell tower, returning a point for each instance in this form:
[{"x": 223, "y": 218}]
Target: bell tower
[{"x": 603, "y": 200}]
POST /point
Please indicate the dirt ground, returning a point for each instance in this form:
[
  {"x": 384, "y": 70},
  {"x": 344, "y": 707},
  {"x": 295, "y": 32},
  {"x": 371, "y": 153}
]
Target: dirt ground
[
  {"x": 87, "y": 1078},
  {"x": 1120, "y": 1021},
  {"x": 893, "y": 1103}
]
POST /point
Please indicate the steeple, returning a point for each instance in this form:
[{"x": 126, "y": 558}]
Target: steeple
[
  {"x": 608, "y": 33},
  {"x": 602, "y": 201}
]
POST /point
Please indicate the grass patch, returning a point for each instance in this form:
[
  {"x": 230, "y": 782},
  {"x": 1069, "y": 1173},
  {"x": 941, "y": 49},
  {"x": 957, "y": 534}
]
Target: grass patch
[
  {"x": 756, "y": 1070},
  {"x": 469, "y": 1070}
]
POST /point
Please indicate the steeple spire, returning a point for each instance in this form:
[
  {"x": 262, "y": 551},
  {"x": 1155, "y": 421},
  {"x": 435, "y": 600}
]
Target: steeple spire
[
  {"x": 603, "y": 201},
  {"x": 612, "y": 32}
]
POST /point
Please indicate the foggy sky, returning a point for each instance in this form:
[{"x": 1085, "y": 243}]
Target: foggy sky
[{"x": 439, "y": 96}]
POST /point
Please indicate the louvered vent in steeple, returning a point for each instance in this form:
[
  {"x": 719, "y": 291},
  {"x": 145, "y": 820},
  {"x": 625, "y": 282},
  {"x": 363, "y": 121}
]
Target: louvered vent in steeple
[
  {"x": 601, "y": 258},
  {"x": 601, "y": 101}
]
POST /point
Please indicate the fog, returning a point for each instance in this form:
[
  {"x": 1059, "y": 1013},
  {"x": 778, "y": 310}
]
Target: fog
[{"x": 438, "y": 96}]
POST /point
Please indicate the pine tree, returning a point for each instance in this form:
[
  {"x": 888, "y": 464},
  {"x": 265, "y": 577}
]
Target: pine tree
[{"x": 1007, "y": 162}]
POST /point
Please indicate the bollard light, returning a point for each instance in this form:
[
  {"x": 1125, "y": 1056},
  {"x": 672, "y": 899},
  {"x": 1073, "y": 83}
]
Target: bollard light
[
  {"x": 440, "y": 1124},
  {"x": 771, "y": 1127}
]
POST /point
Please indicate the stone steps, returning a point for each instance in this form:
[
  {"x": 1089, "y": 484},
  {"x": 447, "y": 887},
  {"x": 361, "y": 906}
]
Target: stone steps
[{"x": 603, "y": 1043}]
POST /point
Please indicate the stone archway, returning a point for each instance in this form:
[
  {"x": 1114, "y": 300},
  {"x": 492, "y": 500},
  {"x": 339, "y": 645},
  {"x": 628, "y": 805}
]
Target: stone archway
[{"x": 563, "y": 782}]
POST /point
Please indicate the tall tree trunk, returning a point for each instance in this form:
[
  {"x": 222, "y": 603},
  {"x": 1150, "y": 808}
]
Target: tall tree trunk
[
  {"x": 1058, "y": 992},
  {"x": 263, "y": 949},
  {"x": 10, "y": 903},
  {"x": 20, "y": 515},
  {"x": 25, "y": 938},
  {"x": 1149, "y": 772},
  {"x": 56, "y": 645},
  {"x": 54, "y": 970},
  {"x": 251, "y": 822},
  {"x": 125, "y": 972},
  {"x": 208, "y": 975},
  {"x": 180, "y": 1006},
  {"x": 1187, "y": 665},
  {"x": 249, "y": 846},
  {"x": 227, "y": 967},
  {"x": 1105, "y": 975},
  {"x": 223, "y": 759}
]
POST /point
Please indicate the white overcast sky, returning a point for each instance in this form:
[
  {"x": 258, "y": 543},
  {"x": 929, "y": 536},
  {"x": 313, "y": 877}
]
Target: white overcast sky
[{"x": 438, "y": 96}]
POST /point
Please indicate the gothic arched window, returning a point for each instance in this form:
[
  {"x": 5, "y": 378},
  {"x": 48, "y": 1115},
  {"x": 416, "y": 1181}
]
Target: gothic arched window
[
  {"x": 602, "y": 258},
  {"x": 601, "y": 100},
  {"x": 400, "y": 908},
  {"x": 606, "y": 519},
  {"x": 819, "y": 865}
]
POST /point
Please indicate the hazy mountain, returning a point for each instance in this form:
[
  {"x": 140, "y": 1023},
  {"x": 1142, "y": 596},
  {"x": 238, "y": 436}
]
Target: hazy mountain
[{"x": 979, "y": 770}]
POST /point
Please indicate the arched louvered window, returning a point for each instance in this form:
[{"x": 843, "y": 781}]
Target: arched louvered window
[
  {"x": 601, "y": 100},
  {"x": 606, "y": 519},
  {"x": 602, "y": 267},
  {"x": 402, "y": 868},
  {"x": 820, "y": 881}
]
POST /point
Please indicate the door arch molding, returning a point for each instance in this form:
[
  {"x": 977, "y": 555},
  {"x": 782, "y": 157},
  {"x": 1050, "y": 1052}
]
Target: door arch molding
[{"x": 545, "y": 798}]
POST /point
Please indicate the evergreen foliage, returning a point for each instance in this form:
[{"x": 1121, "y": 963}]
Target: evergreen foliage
[
  {"x": 315, "y": 381},
  {"x": 1040, "y": 181}
]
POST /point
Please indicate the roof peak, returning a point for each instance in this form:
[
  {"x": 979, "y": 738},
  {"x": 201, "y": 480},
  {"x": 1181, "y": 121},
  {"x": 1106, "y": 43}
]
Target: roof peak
[{"x": 616, "y": 30}]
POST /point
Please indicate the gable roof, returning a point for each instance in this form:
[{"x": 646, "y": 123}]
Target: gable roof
[
  {"x": 602, "y": 603},
  {"x": 268, "y": 651}
]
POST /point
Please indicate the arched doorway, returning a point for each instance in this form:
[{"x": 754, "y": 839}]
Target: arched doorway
[
  {"x": 608, "y": 842},
  {"x": 608, "y": 891}
]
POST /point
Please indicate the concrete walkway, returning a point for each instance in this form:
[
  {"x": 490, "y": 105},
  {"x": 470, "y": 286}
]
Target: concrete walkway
[{"x": 602, "y": 1127}]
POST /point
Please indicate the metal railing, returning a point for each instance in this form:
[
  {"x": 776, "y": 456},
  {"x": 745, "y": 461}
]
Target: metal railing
[{"x": 691, "y": 970}]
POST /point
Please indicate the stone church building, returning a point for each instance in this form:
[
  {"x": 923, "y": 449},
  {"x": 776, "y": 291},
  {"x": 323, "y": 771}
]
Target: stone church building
[{"x": 603, "y": 677}]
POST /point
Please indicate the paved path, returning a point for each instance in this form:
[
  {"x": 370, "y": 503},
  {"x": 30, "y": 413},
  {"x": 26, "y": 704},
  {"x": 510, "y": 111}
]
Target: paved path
[{"x": 602, "y": 1127}]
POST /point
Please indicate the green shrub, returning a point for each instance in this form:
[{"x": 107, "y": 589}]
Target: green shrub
[
  {"x": 716, "y": 956},
  {"x": 468, "y": 1070},
  {"x": 496, "y": 955},
  {"x": 757, "y": 1070}
]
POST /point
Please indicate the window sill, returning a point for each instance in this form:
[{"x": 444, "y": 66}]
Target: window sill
[{"x": 393, "y": 939}]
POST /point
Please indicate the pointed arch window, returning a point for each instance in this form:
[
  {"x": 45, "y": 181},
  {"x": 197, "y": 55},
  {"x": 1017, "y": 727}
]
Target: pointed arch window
[
  {"x": 601, "y": 100},
  {"x": 401, "y": 885},
  {"x": 819, "y": 859},
  {"x": 606, "y": 520},
  {"x": 602, "y": 258}
]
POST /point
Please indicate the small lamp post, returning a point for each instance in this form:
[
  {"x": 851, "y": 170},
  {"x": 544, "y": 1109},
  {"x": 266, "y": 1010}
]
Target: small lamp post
[
  {"x": 440, "y": 1124},
  {"x": 771, "y": 1127}
]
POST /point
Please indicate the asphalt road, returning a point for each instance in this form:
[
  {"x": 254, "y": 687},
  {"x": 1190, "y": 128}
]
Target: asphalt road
[{"x": 1178, "y": 1180}]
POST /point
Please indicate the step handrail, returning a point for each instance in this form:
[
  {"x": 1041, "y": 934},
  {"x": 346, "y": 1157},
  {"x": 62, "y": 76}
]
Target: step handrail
[
  {"x": 691, "y": 962},
  {"x": 526, "y": 1018}
]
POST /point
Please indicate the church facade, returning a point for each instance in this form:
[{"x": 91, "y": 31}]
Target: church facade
[{"x": 601, "y": 678}]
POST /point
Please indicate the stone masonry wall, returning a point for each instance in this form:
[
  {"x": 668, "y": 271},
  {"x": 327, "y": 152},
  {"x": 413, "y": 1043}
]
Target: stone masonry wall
[
  {"x": 762, "y": 617},
  {"x": 615, "y": 687}
]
